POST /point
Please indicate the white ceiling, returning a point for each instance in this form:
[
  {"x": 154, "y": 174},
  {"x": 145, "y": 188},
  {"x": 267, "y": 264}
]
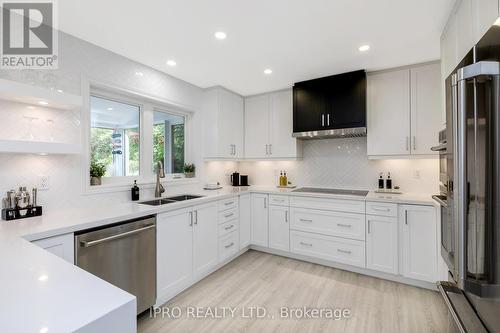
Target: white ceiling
[{"x": 298, "y": 39}]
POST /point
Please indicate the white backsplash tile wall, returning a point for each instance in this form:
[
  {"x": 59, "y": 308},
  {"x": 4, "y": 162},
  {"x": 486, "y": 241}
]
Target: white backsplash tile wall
[{"x": 342, "y": 163}]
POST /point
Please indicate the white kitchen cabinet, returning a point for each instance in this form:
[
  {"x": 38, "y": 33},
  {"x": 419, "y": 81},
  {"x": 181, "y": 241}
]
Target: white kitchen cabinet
[
  {"x": 205, "y": 236},
  {"x": 62, "y": 246},
  {"x": 245, "y": 220},
  {"x": 382, "y": 243},
  {"x": 485, "y": 13},
  {"x": 187, "y": 248},
  {"x": 174, "y": 253},
  {"x": 260, "y": 219},
  {"x": 426, "y": 119},
  {"x": 404, "y": 111},
  {"x": 269, "y": 127},
  {"x": 388, "y": 113},
  {"x": 279, "y": 228},
  {"x": 419, "y": 245},
  {"x": 223, "y": 124}
]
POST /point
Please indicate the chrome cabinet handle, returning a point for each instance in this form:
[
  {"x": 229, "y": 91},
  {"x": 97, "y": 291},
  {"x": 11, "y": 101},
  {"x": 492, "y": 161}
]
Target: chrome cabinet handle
[
  {"x": 286, "y": 216},
  {"x": 267, "y": 150},
  {"x": 229, "y": 203},
  {"x": 228, "y": 246},
  {"x": 369, "y": 229},
  {"x": 228, "y": 215},
  {"x": 344, "y": 225},
  {"x": 195, "y": 217},
  {"x": 306, "y": 220},
  {"x": 344, "y": 251},
  {"x": 323, "y": 120},
  {"x": 328, "y": 119},
  {"x": 381, "y": 209},
  {"x": 265, "y": 202},
  {"x": 407, "y": 143},
  {"x": 270, "y": 149},
  {"x": 190, "y": 219},
  {"x": 406, "y": 217},
  {"x": 306, "y": 244},
  {"x": 414, "y": 142},
  {"x": 229, "y": 227},
  {"x": 107, "y": 239}
]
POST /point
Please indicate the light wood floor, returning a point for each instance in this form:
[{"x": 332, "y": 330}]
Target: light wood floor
[{"x": 263, "y": 280}]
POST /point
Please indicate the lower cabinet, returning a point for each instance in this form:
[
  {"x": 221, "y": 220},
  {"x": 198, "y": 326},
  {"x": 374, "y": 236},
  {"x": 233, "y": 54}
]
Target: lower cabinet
[
  {"x": 279, "y": 227},
  {"x": 62, "y": 246},
  {"x": 187, "y": 247},
  {"x": 245, "y": 220},
  {"x": 419, "y": 247},
  {"x": 341, "y": 250},
  {"x": 382, "y": 243},
  {"x": 260, "y": 219}
]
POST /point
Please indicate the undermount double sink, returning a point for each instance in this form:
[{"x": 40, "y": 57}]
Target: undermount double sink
[{"x": 164, "y": 201}]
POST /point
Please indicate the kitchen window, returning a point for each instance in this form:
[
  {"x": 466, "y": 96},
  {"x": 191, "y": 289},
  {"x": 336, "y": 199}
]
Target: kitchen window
[
  {"x": 115, "y": 136},
  {"x": 168, "y": 141}
]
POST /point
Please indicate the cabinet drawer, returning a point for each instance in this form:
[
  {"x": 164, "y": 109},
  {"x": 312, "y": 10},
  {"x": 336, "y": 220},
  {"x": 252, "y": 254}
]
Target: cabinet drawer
[
  {"x": 339, "y": 205},
  {"x": 228, "y": 246},
  {"x": 228, "y": 215},
  {"x": 381, "y": 209},
  {"x": 228, "y": 204},
  {"x": 347, "y": 225},
  {"x": 228, "y": 227},
  {"x": 346, "y": 251},
  {"x": 279, "y": 200}
]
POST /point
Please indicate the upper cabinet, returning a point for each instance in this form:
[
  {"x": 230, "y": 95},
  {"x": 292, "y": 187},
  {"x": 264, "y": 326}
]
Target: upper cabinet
[
  {"x": 404, "y": 111},
  {"x": 467, "y": 23},
  {"x": 223, "y": 125},
  {"x": 268, "y": 127}
]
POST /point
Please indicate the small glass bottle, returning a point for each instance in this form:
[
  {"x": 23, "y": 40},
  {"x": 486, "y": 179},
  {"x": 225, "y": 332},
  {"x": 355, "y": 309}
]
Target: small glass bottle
[
  {"x": 388, "y": 182},
  {"x": 381, "y": 181}
]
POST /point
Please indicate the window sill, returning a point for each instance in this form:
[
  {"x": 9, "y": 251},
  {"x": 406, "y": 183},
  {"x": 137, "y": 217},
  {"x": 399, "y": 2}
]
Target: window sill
[{"x": 125, "y": 187}]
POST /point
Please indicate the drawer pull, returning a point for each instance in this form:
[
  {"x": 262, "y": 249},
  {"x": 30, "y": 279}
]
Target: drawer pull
[
  {"x": 228, "y": 246},
  {"x": 344, "y": 251},
  {"x": 344, "y": 225},
  {"x": 279, "y": 200},
  {"x": 305, "y": 220},
  {"x": 306, "y": 244},
  {"x": 229, "y": 227},
  {"x": 228, "y": 215},
  {"x": 229, "y": 203},
  {"x": 381, "y": 209}
]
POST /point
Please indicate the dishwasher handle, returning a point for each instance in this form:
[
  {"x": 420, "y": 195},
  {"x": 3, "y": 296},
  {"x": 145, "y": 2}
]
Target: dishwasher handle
[{"x": 106, "y": 239}]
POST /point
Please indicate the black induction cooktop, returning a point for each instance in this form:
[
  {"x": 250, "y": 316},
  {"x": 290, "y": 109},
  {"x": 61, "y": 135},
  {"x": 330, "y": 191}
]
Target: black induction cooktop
[{"x": 331, "y": 191}]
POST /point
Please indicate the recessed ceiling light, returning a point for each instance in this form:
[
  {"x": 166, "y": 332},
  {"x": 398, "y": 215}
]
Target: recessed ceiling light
[
  {"x": 364, "y": 48},
  {"x": 43, "y": 278},
  {"x": 141, "y": 74},
  {"x": 220, "y": 35},
  {"x": 109, "y": 109},
  {"x": 59, "y": 90},
  {"x": 171, "y": 63},
  {"x": 43, "y": 103},
  {"x": 43, "y": 154},
  {"x": 268, "y": 71},
  {"x": 44, "y": 330}
]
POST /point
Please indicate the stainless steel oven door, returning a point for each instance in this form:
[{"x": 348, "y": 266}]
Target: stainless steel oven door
[{"x": 447, "y": 234}]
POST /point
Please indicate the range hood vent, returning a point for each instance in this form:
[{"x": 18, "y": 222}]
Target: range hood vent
[{"x": 330, "y": 107}]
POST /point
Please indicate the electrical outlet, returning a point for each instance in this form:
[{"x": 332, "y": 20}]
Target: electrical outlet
[{"x": 43, "y": 182}]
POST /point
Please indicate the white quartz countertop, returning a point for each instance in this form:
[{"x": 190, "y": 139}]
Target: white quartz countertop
[{"x": 70, "y": 298}]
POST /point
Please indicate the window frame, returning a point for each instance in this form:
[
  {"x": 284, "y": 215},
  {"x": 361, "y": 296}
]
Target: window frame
[{"x": 147, "y": 106}]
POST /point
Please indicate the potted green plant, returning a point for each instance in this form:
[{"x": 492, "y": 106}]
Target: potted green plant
[
  {"x": 189, "y": 170},
  {"x": 97, "y": 170}
]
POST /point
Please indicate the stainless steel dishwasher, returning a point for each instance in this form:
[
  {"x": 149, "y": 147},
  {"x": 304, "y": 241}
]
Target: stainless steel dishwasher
[{"x": 123, "y": 254}]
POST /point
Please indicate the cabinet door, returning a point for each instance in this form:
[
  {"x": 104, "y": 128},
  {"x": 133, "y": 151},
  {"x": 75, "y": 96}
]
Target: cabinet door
[
  {"x": 231, "y": 124},
  {"x": 281, "y": 114},
  {"x": 309, "y": 107},
  {"x": 485, "y": 12},
  {"x": 205, "y": 245},
  {"x": 174, "y": 253},
  {"x": 279, "y": 228},
  {"x": 388, "y": 123},
  {"x": 425, "y": 108},
  {"x": 62, "y": 246},
  {"x": 382, "y": 243},
  {"x": 256, "y": 126},
  {"x": 260, "y": 219},
  {"x": 419, "y": 242},
  {"x": 245, "y": 220}
]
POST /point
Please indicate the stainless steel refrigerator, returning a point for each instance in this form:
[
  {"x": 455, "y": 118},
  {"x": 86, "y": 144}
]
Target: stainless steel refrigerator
[{"x": 470, "y": 240}]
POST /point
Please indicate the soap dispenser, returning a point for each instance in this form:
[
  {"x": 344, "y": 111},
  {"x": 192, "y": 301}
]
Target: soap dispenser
[
  {"x": 388, "y": 182},
  {"x": 381, "y": 181},
  {"x": 135, "y": 191}
]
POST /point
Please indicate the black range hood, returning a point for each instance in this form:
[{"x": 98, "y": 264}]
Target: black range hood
[{"x": 330, "y": 107}]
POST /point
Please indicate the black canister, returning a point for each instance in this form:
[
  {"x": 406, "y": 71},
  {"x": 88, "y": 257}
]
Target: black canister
[{"x": 135, "y": 191}]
